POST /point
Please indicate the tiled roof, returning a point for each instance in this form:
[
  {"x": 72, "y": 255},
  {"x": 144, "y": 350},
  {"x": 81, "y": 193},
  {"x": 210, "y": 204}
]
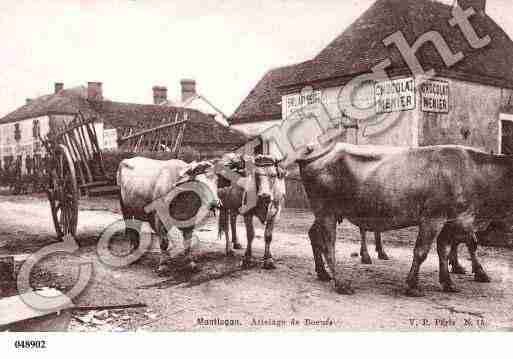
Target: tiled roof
[
  {"x": 360, "y": 46},
  {"x": 264, "y": 101},
  {"x": 68, "y": 101},
  {"x": 190, "y": 103},
  {"x": 201, "y": 128}
]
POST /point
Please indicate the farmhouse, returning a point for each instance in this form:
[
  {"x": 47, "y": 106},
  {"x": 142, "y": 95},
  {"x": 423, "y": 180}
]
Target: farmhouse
[
  {"x": 22, "y": 129},
  {"x": 467, "y": 102}
]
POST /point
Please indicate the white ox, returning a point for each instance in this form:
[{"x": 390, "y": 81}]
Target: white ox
[{"x": 142, "y": 181}]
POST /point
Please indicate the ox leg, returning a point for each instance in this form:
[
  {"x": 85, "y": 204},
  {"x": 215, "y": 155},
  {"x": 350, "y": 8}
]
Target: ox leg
[
  {"x": 443, "y": 246},
  {"x": 223, "y": 216},
  {"x": 190, "y": 265},
  {"x": 329, "y": 224},
  {"x": 364, "y": 253},
  {"x": 133, "y": 238},
  {"x": 130, "y": 234},
  {"x": 164, "y": 246},
  {"x": 268, "y": 236},
  {"x": 315, "y": 234},
  {"x": 479, "y": 273},
  {"x": 247, "y": 261},
  {"x": 233, "y": 225},
  {"x": 379, "y": 247},
  {"x": 456, "y": 267},
  {"x": 428, "y": 231}
]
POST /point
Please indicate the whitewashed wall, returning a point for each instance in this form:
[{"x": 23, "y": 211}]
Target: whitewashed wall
[
  {"x": 397, "y": 129},
  {"x": 27, "y": 145}
]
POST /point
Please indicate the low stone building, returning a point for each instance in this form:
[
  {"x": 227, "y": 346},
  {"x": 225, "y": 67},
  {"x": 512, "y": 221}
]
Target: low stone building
[
  {"x": 21, "y": 130},
  {"x": 468, "y": 102}
]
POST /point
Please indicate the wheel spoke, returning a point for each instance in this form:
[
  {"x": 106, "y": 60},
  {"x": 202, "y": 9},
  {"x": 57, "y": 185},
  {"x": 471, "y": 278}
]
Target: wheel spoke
[
  {"x": 63, "y": 192},
  {"x": 65, "y": 220}
]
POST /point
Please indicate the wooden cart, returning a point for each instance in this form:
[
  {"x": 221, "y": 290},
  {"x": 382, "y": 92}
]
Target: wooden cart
[{"x": 75, "y": 164}]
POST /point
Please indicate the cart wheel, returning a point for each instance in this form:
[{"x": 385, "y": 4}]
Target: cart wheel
[{"x": 63, "y": 193}]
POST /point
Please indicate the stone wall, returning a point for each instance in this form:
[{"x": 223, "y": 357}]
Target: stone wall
[{"x": 473, "y": 118}]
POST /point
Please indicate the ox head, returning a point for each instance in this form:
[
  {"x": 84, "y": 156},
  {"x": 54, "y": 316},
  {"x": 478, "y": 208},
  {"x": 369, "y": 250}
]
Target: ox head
[
  {"x": 270, "y": 186},
  {"x": 234, "y": 162},
  {"x": 231, "y": 162}
]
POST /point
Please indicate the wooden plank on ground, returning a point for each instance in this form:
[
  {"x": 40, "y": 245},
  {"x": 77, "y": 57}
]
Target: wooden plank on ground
[{"x": 14, "y": 310}]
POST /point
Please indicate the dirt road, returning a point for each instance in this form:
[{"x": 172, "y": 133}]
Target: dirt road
[{"x": 223, "y": 296}]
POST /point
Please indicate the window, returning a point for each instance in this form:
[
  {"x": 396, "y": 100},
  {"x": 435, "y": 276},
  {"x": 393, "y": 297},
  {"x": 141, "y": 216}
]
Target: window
[
  {"x": 17, "y": 132},
  {"x": 36, "y": 129},
  {"x": 7, "y": 162}
]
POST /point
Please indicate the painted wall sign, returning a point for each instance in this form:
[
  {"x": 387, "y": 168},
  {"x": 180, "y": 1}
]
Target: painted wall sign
[
  {"x": 110, "y": 139},
  {"x": 296, "y": 101},
  {"x": 395, "y": 95},
  {"x": 435, "y": 96}
]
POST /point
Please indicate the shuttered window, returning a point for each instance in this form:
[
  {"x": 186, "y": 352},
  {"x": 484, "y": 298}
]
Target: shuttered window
[{"x": 17, "y": 132}]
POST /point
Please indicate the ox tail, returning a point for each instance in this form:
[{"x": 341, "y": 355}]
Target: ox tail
[{"x": 222, "y": 223}]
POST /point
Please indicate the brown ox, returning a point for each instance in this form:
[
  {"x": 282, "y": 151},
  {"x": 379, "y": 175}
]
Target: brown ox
[
  {"x": 457, "y": 268},
  {"x": 143, "y": 181},
  {"x": 269, "y": 184},
  {"x": 440, "y": 189},
  {"x": 364, "y": 253}
]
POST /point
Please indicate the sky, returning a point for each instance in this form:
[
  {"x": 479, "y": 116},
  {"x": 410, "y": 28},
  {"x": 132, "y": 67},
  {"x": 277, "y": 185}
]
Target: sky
[{"x": 132, "y": 45}]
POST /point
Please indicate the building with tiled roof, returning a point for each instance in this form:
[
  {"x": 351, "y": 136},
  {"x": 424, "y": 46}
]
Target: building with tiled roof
[
  {"x": 20, "y": 130},
  {"x": 361, "y": 46},
  {"x": 264, "y": 102},
  {"x": 468, "y": 102},
  {"x": 191, "y": 99}
]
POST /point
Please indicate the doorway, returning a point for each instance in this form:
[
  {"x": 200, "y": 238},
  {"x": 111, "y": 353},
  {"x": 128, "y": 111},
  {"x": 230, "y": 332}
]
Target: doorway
[{"x": 506, "y": 134}]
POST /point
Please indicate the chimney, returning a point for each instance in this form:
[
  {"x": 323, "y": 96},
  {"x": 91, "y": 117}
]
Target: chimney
[
  {"x": 159, "y": 94},
  {"x": 27, "y": 101},
  {"x": 58, "y": 86},
  {"x": 188, "y": 89},
  {"x": 478, "y": 5},
  {"x": 94, "y": 91}
]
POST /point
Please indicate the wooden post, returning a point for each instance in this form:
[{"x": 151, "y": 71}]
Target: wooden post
[{"x": 6, "y": 275}]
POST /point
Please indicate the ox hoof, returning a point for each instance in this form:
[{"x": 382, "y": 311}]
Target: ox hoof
[
  {"x": 162, "y": 269},
  {"x": 414, "y": 292},
  {"x": 191, "y": 267},
  {"x": 247, "y": 263},
  {"x": 366, "y": 259},
  {"x": 236, "y": 245},
  {"x": 269, "y": 263},
  {"x": 134, "y": 243},
  {"x": 383, "y": 256},
  {"x": 323, "y": 276},
  {"x": 458, "y": 269},
  {"x": 230, "y": 253},
  {"x": 450, "y": 288},
  {"x": 482, "y": 277},
  {"x": 343, "y": 287}
]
